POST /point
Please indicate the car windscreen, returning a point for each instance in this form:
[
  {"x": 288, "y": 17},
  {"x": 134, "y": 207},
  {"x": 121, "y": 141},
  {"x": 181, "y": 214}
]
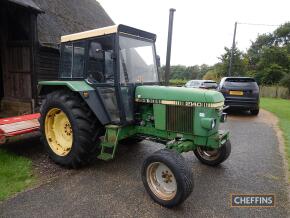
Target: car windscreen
[
  {"x": 240, "y": 82},
  {"x": 194, "y": 84},
  {"x": 210, "y": 84}
]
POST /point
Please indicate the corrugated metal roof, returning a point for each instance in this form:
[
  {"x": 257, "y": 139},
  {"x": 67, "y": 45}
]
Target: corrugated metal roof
[{"x": 27, "y": 3}]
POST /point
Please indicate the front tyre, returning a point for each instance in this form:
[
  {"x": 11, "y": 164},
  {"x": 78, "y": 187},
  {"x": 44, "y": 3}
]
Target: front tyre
[
  {"x": 70, "y": 131},
  {"x": 167, "y": 178},
  {"x": 213, "y": 157}
]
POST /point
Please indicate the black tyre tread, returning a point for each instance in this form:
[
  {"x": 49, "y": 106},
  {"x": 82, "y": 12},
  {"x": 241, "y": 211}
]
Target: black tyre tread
[
  {"x": 180, "y": 166},
  {"x": 255, "y": 112},
  {"x": 225, "y": 153},
  {"x": 87, "y": 127}
]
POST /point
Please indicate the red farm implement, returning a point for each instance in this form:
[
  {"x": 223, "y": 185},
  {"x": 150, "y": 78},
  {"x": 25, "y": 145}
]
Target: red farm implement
[{"x": 19, "y": 125}]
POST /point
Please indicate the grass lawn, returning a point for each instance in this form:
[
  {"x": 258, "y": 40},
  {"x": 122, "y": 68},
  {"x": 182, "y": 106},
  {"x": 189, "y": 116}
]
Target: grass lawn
[
  {"x": 281, "y": 108},
  {"x": 15, "y": 174}
]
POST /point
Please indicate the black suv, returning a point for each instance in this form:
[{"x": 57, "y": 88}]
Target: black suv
[{"x": 241, "y": 93}]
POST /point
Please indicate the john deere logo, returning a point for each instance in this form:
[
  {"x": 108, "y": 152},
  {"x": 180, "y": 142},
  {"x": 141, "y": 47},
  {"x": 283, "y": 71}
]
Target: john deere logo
[{"x": 252, "y": 200}]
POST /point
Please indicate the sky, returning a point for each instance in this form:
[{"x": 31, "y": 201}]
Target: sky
[{"x": 202, "y": 28}]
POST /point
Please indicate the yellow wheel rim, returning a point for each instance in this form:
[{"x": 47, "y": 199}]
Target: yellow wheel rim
[{"x": 58, "y": 132}]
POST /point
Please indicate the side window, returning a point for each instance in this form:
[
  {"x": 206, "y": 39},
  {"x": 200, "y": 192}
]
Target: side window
[
  {"x": 100, "y": 62},
  {"x": 66, "y": 61},
  {"x": 78, "y": 59}
]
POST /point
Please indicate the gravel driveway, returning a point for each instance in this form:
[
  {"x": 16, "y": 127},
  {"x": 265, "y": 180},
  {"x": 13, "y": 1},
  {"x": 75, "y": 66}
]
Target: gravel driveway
[{"x": 115, "y": 188}]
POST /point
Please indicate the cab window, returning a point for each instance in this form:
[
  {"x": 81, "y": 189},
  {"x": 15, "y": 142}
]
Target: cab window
[
  {"x": 100, "y": 61},
  {"x": 72, "y": 60}
]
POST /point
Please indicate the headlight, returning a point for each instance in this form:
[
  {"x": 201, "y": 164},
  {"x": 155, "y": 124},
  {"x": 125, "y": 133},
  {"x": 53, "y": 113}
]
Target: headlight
[
  {"x": 213, "y": 123},
  {"x": 208, "y": 123}
]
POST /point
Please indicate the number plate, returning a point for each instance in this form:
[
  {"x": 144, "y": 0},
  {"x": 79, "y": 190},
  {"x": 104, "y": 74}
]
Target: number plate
[{"x": 236, "y": 93}]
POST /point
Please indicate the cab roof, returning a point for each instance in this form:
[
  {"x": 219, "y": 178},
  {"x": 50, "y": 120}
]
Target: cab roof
[{"x": 109, "y": 30}]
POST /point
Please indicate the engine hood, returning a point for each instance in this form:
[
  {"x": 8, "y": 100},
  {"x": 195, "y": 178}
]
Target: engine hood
[{"x": 182, "y": 94}]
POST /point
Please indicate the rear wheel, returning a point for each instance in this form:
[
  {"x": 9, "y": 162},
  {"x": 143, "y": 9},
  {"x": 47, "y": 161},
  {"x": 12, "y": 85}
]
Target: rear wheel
[
  {"x": 255, "y": 112},
  {"x": 213, "y": 157},
  {"x": 167, "y": 178},
  {"x": 70, "y": 130}
]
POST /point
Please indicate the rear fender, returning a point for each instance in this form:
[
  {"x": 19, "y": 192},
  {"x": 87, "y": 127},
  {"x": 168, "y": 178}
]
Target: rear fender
[{"x": 88, "y": 94}]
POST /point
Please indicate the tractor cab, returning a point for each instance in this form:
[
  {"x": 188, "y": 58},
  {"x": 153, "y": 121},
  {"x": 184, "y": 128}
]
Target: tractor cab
[{"x": 113, "y": 60}]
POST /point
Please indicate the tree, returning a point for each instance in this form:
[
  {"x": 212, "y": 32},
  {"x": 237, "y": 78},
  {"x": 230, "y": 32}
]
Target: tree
[
  {"x": 269, "y": 56},
  {"x": 282, "y": 35},
  {"x": 238, "y": 67},
  {"x": 212, "y": 75},
  {"x": 286, "y": 81},
  {"x": 254, "y": 52},
  {"x": 272, "y": 74}
]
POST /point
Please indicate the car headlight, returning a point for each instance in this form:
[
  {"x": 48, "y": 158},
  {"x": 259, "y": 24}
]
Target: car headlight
[{"x": 208, "y": 123}]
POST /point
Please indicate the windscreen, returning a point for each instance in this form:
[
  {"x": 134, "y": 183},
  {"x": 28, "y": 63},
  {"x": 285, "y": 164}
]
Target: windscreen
[
  {"x": 210, "y": 84},
  {"x": 137, "y": 61},
  {"x": 241, "y": 82},
  {"x": 193, "y": 84}
]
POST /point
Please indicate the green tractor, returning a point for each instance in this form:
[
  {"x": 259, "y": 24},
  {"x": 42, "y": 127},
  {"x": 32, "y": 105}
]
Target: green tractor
[{"x": 109, "y": 93}]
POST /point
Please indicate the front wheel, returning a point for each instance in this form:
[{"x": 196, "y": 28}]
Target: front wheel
[
  {"x": 167, "y": 178},
  {"x": 213, "y": 157}
]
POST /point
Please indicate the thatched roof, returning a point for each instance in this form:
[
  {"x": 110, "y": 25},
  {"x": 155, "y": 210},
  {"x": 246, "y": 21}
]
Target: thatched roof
[
  {"x": 27, "y": 4},
  {"x": 70, "y": 16}
]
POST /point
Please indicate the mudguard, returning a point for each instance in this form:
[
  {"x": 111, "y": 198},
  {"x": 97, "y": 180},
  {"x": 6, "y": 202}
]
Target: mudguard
[{"x": 87, "y": 92}]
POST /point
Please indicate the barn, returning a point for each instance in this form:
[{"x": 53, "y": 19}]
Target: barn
[{"x": 30, "y": 33}]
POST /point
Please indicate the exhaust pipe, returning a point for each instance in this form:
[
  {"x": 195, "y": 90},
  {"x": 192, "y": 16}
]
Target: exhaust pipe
[{"x": 169, "y": 41}]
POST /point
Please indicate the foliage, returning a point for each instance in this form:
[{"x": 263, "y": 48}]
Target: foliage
[
  {"x": 15, "y": 174},
  {"x": 212, "y": 75},
  {"x": 286, "y": 81},
  {"x": 272, "y": 74},
  {"x": 269, "y": 56},
  {"x": 181, "y": 72},
  {"x": 283, "y": 113},
  {"x": 177, "y": 82},
  {"x": 238, "y": 66},
  {"x": 267, "y": 60}
]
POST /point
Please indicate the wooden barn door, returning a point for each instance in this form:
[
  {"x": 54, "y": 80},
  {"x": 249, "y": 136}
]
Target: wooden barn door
[{"x": 17, "y": 78}]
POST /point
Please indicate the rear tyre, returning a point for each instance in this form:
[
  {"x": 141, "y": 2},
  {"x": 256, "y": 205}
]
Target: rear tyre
[
  {"x": 70, "y": 130},
  {"x": 213, "y": 157},
  {"x": 255, "y": 112},
  {"x": 167, "y": 178}
]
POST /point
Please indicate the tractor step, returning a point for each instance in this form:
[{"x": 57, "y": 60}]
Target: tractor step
[
  {"x": 105, "y": 156},
  {"x": 109, "y": 143}
]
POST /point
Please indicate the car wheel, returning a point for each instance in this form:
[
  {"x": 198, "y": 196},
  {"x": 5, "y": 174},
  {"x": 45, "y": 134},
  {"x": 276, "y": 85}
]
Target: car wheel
[{"x": 255, "y": 112}]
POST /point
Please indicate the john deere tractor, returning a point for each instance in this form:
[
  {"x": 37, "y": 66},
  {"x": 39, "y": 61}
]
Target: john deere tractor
[{"x": 109, "y": 93}]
